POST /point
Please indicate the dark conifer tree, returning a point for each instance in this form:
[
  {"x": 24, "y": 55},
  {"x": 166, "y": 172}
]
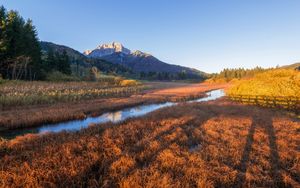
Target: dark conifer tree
[{"x": 20, "y": 53}]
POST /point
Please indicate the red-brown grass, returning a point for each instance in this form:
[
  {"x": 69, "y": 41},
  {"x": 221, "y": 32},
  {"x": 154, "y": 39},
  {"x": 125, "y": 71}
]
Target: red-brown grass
[{"x": 214, "y": 144}]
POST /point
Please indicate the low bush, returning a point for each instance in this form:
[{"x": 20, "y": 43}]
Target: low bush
[
  {"x": 109, "y": 80},
  {"x": 129, "y": 83},
  {"x": 57, "y": 76}
]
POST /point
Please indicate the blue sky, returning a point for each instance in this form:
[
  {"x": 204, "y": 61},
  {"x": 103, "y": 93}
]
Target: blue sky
[{"x": 205, "y": 34}]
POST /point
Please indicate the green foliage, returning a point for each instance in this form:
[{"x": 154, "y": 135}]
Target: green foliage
[
  {"x": 57, "y": 62},
  {"x": 277, "y": 82},
  {"x": 111, "y": 68},
  {"x": 227, "y": 75},
  {"x": 166, "y": 76},
  {"x": 20, "y": 54},
  {"x": 64, "y": 63},
  {"x": 57, "y": 76}
]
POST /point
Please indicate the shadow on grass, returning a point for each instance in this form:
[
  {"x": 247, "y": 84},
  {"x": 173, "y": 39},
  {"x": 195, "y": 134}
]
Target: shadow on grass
[
  {"x": 98, "y": 173},
  {"x": 267, "y": 125}
]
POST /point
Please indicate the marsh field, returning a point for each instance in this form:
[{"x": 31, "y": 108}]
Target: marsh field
[
  {"x": 192, "y": 94},
  {"x": 218, "y": 143}
]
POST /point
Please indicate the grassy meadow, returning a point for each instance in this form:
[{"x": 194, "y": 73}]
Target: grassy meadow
[
  {"x": 278, "y": 82},
  {"x": 278, "y": 88}
]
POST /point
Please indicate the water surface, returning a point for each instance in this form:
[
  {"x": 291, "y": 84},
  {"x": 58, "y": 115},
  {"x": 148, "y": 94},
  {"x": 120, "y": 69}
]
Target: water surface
[{"x": 115, "y": 116}]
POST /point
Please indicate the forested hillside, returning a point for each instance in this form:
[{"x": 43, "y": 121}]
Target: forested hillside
[{"x": 80, "y": 64}]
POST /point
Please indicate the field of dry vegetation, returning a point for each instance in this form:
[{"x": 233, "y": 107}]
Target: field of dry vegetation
[
  {"x": 212, "y": 144},
  {"x": 31, "y": 115},
  {"x": 23, "y": 93}
]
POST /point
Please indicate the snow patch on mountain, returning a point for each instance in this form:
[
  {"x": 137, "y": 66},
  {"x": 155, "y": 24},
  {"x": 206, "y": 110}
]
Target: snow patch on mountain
[{"x": 107, "y": 49}]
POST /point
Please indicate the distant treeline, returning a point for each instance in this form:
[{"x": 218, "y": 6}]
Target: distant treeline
[
  {"x": 165, "y": 76},
  {"x": 227, "y": 75},
  {"x": 55, "y": 61}
]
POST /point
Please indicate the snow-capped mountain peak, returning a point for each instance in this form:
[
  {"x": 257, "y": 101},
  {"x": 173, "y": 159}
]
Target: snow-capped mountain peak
[{"x": 107, "y": 49}]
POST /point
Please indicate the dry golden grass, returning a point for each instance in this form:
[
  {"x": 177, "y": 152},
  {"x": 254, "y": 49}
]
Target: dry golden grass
[
  {"x": 277, "y": 82},
  {"x": 26, "y": 116},
  {"x": 25, "y": 93},
  {"x": 214, "y": 144},
  {"x": 189, "y": 89}
]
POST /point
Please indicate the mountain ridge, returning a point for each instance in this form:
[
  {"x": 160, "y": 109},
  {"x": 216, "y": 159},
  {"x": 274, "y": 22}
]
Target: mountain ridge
[
  {"x": 78, "y": 59},
  {"x": 137, "y": 64},
  {"x": 46, "y": 46},
  {"x": 137, "y": 60}
]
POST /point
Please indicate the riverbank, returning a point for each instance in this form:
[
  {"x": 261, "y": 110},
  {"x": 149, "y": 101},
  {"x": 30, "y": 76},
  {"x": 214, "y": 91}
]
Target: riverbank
[
  {"x": 112, "y": 116},
  {"x": 33, "y": 115},
  {"x": 213, "y": 144}
]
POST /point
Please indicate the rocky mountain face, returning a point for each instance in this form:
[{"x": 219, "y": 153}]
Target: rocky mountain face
[
  {"x": 136, "y": 60},
  {"x": 107, "y": 49}
]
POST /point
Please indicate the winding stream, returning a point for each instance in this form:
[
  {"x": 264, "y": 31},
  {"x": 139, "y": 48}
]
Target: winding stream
[{"x": 114, "y": 117}]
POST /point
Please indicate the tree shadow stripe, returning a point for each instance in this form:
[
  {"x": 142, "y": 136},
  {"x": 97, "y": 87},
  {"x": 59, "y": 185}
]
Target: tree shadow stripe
[{"x": 274, "y": 160}]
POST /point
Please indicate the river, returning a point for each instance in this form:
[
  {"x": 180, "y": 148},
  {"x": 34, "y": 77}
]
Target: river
[{"x": 115, "y": 117}]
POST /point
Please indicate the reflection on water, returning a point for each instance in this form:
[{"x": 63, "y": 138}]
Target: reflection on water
[{"x": 114, "y": 117}]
